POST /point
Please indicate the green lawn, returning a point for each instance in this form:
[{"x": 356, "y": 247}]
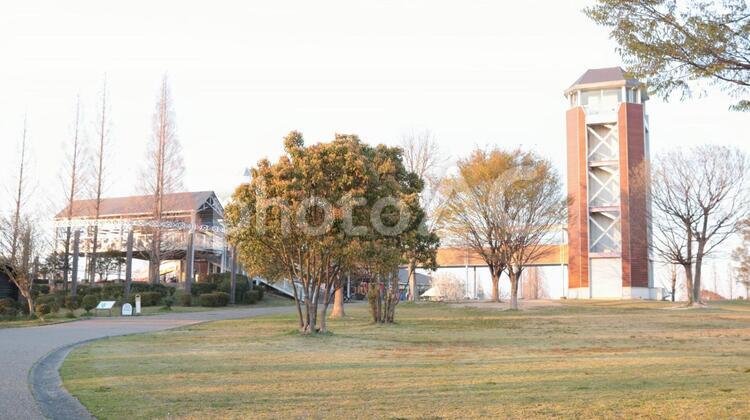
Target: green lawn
[{"x": 591, "y": 359}]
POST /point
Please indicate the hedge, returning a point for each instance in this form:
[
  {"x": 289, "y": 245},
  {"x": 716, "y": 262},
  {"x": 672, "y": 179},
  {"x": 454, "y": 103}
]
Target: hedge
[
  {"x": 202, "y": 288},
  {"x": 183, "y": 298},
  {"x": 39, "y": 289},
  {"x": 8, "y": 308},
  {"x": 261, "y": 291},
  {"x": 214, "y": 299},
  {"x": 251, "y": 297},
  {"x": 53, "y": 302},
  {"x": 72, "y": 302},
  {"x": 223, "y": 281},
  {"x": 147, "y": 298}
]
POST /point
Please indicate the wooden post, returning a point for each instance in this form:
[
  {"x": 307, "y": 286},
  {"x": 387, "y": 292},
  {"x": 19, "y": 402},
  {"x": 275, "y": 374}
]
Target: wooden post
[
  {"x": 233, "y": 276},
  {"x": 74, "y": 273},
  {"x": 35, "y": 270},
  {"x": 190, "y": 260},
  {"x": 128, "y": 265}
]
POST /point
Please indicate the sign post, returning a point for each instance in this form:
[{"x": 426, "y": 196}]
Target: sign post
[
  {"x": 106, "y": 305},
  {"x": 138, "y": 304}
]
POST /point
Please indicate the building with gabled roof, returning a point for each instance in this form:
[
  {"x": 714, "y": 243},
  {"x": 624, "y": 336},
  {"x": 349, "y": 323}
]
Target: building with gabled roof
[{"x": 186, "y": 216}]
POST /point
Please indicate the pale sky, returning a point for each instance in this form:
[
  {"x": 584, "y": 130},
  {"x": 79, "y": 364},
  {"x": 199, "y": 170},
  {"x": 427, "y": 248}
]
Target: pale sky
[{"x": 243, "y": 74}]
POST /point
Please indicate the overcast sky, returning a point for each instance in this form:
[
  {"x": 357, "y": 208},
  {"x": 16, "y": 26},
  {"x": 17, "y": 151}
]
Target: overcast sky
[{"x": 243, "y": 74}]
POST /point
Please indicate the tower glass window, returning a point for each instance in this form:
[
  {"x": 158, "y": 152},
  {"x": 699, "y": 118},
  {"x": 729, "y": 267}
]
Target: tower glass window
[{"x": 601, "y": 100}]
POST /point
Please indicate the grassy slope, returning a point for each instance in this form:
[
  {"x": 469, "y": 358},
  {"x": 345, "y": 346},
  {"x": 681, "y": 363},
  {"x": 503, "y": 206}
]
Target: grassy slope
[{"x": 608, "y": 359}]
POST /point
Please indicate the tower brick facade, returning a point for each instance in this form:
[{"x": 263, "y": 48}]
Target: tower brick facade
[{"x": 607, "y": 148}]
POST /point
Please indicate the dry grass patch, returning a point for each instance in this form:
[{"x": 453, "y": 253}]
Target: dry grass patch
[{"x": 572, "y": 360}]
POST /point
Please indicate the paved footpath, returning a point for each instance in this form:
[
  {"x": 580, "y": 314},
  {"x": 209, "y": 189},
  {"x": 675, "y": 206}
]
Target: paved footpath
[{"x": 21, "y": 348}]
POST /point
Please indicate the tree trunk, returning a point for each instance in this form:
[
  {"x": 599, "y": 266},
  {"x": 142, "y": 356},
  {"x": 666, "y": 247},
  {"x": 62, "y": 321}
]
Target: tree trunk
[
  {"x": 29, "y": 300},
  {"x": 395, "y": 298},
  {"x": 233, "y": 277},
  {"x": 324, "y": 312},
  {"x": 689, "y": 282},
  {"x": 698, "y": 272},
  {"x": 66, "y": 261},
  {"x": 298, "y": 304},
  {"x": 674, "y": 283},
  {"x": 128, "y": 265},
  {"x": 74, "y": 270},
  {"x": 380, "y": 303},
  {"x": 495, "y": 287},
  {"x": 515, "y": 276},
  {"x": 154, "y": 262},
  {"x": 92, "y": 262},
  {"x": 338, "y": 304},
  {"x": 413, "y": 294},
  {"x": 314, "y": 314}
]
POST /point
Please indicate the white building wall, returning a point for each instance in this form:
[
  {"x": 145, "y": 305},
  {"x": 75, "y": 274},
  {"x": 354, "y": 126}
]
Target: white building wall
[
  {"x": 554, "y": 280},
  {"x": 606, "y": 278}
]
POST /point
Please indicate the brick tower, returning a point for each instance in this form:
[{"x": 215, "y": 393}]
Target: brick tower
[{"x": 607, "y": 140}]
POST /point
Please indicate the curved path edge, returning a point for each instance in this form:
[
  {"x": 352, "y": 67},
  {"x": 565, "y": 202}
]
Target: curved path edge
[
  {"x": 54, "y": 401},
  {"x": 46, "y": 385}
]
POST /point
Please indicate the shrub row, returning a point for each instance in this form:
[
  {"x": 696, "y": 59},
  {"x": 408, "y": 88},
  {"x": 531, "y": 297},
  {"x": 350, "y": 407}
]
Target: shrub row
[
  {"x": 214, "y": 299},
  {"x": 212, "y": 293},
  {"x": 8, "y": 308}
]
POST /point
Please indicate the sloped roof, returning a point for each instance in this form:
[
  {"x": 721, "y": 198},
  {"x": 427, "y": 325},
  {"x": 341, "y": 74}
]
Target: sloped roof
[
  {"x": 460, "y": 257},
  {"x": 604, "y": 75},
  {"x": 137, "y": 205}
]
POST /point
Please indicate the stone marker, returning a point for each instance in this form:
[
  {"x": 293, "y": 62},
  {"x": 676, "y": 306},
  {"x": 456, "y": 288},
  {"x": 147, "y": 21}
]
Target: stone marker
[{"x": 127, "y": 309}]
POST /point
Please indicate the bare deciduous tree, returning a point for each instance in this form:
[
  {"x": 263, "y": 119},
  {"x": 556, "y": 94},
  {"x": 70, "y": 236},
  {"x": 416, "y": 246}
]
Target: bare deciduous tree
[
  {"x": 673, "y": 281},
  {"x": 17, "y": 235},
  {"x": 534, "y": 284},
  {"x": 698, "y": 197},
  {"x": 163, "y": 172},
  {"x": 449, "y": 286},
  {"x": 72, "y": 186},
  {"x": 422, "y": 157},
  {"x": 470, "y": 216},
  {"x": 742, "y": 256},
  {"x": 17, "y": 264},
  {"x": 19, "y": 197},
  {"x": 530, "y": 208},
  {"x": 102, "y": 134},
  {"x": 502, "y": 206}
]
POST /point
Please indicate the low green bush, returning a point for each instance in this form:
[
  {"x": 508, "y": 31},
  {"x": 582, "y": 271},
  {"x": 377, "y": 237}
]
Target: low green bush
[
  {"x": 83, "y": 290},
  {"x": 251, "y": 297},
  {"x": 53, "y": 302},
  {"x": 183, "y": 298},
  {"x": 214, "y": 299},
  {"x": 8, "y": 308},
  {"x": 72, "y": 302},
  {"x": 41, "y": 309},
  {"x": 89, "y": 302},
  {"x": 112, "y": 291},
  {"x": 261, "y": 291},
  {"x": 202, "y": 288},
  {"x": 38, "y": 290},
  {"x": 168, "y": 301},
  {"x": 149, "y": 298}
]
